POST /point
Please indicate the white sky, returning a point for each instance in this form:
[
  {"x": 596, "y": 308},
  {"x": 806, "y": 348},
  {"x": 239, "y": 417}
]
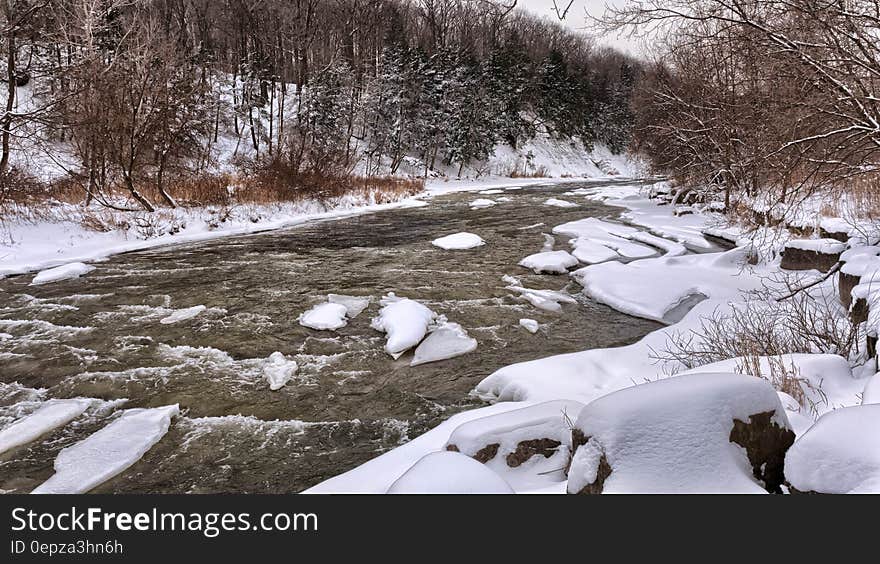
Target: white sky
[{"x": 576, "y": 18}]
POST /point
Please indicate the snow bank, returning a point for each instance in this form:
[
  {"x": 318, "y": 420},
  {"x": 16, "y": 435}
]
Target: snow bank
[
  {"x": 529, "y": 325},
  {"x": 278, "y": 370},
  {"x": 108, "y": 452},
  {"x": 673, "y": 436},
  {"x": 48, "y": 417},
  {"x": 65, "y": 272},
  {"x": 555, "y": 202},
  {"x": 549, "y": 262},
  {"x": 654, "y": 288},
  {"x": 839, "y": 454},
  {"x": 448, "y": 340},
  {"x": 459, "y": 241},
  {"x": 183, "y": 315},
  {"x": 871, "y": 393},
  {"x": 405, "y": 321},
  {"x": 325, "y": 317},
  {"x": 449, "y": 473}
]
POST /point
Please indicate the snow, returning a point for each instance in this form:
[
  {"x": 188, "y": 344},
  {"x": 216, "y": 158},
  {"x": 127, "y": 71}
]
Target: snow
[
  {"x": 480, "y": 203},
  {"x": 278, "y": 370},
  {"x": 491, "y": 192},
  {"x": 673, "y": 436},
  {"x": 549, "y": 262},
  {"x": 448, "y": 340},
  {"x": 325, "y": 317},
  {"x": 459, "y": 241},
  {"x": 821, "y": 246},
  {"x": 405, "y": 322},
  {"x": 529, "y": 325},
  {"x": 555, "y": 202},
  {"x": 654, "y": 288},
  {"x": 49, "y": 416},
  {"x": 871, "y": 393},
  {"x": 65, "y": 272},
  {"x": 183, "y": 315},
  {"x": 548, "y": 300},
  {"x": 449, "y": 473},
  {"x": 354, "y": 305},
  {"x": 588, "y": 252},
  {"x": 108, "y": 452},
  {"x": 839, "y": 454},
  {"x": 587, "y": 233}
]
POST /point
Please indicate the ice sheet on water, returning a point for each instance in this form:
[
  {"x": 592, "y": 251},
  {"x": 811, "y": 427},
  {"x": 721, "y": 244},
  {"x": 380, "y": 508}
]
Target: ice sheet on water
[
  {"x": 278, "y": 370},
  {"x": 404, "y": 321},
  {"x": 183, "y": 315},
  {"x": 49, "y": 416},
  {"x": 354, "y": 305},
  {"x": 446, "y": 341},
  {"x": 325, "y": 317},
  {"x": 529, "y": 325},
  {"x": 551, "y": 262},
  {"x": 65, "y": 272},
  {"x": 459, "y": 241},
  {"x": 555, "y": 202}
]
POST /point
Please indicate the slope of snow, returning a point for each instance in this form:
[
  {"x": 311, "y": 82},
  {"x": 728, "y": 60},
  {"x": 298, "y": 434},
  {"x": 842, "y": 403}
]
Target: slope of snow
[
  {"x": 106, "y": 453},
  {"x": 449, "y": 473},
  {"x": 652, "y": 288},
  {"x": 325, "y": 317},
  {"x": 673, "y": 436},
  {"x": 405, "y": 321},
  {"x": 871, "y": 393},
  {"x": 48, "y": 417},
  {"x": 459, "y": 241},
  {"x": 446, "y": 341},
  {"x": 549, "y": 262},
  {"x": 183, "y": 315},
  {"x": 278, "y": 370},
  {"x": 839, "y": 454},
  {"x": 65, "y": 272}
]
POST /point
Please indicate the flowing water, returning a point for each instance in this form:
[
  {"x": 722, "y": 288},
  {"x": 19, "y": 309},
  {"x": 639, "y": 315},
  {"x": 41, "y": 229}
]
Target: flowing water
[{"x": 100, "y": 336}]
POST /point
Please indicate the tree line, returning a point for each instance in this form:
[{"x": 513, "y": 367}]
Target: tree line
[{"x": 141, "y": 93}]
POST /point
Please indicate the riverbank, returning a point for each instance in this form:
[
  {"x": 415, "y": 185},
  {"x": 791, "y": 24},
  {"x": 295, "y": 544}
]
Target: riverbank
[{"x": 719, "y": 307}]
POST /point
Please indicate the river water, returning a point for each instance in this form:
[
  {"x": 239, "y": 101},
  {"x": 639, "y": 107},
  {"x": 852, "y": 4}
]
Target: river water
[{"x": 100, "y": 336}]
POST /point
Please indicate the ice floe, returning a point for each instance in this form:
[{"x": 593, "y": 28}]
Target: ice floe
[
  {"x": 447, "y": 340},
  {"x": 278, "y": 370},
  {"x": 404, "y": 321},
  {"x": 549, "y": 262},
  {"x": 529, "y": 325},
  {"x": 459, "y": 241},
  {"x": 183, "y": 315},
  {"x": 65, "y": 272},
  {"x": 51, "y": 415},
  {"x": 325, "y": 317},
  {"x": 482, "y": 203}
]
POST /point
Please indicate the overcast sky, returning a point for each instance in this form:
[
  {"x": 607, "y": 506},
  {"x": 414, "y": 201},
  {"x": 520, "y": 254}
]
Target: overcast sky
[{"x": 577, "y": 18}]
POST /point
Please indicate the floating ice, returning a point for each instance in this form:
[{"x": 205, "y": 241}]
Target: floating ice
[
  {"x": 449, "y": 340},
  {"x": 354, "y": 305},
  {"x": 482, "y": 203},
  {"x": 325, "y": 317},
  {"x": 552, "y": 262},
  {"x": 65, "y": 272},
  {"x": 48, "y": 417},
  {"x": 560, "y": 203},
  {"x": 405, "y": 321},
  {"x": 183, "y": 314},
  {"x": 529, "y": 325},
  {"x": 459, "y": 241},
  {"x": 278, "y": 370}
]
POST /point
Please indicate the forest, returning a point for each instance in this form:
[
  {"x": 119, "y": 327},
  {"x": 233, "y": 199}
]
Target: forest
[{"x": 134, "y": 97}]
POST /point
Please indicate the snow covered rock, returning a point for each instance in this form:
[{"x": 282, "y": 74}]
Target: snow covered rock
[
  {"x": 65, "y": 272},
  {"x": 551, "y": 262},
  {"x": 536, "y": 438},
  {"x": 529, "y": 325},
  {"x": 560, "y": 203},
  {"x": 405, "y": 321},
  {"x": 449, "y": 473},
  {"x": 459, "y": 241},
  {"x": 482, "y": 203},
  {"x": 278, "y": 370},
  {"x": 183, "y": 315},
  {"x": 354, "y": 305},
  {"x": 108, "y": 452},
  {"x": 695, "y": 433},
  {"x": 812, "y": 254},
  {"x": 839, "y": 454},
  {"x": 448, "y": 340},
  {"x": 48, "y": 417},
  {"x": 871, "y": 394},
  {"x": 325, "y": 317}
]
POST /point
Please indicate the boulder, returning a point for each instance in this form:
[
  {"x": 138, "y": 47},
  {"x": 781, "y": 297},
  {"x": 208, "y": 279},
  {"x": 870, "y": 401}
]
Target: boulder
[
  {"x": 812, "y": 254},
  {"x": 839, "y": 454},
  {"x": 697, "y": 433}
]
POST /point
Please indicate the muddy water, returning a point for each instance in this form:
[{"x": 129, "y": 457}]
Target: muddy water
[{"x": 100, "y": 336}]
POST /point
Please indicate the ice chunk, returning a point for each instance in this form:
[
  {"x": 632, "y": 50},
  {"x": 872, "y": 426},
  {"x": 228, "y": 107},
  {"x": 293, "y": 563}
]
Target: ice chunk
[
  {"x": 839, "y": 454},
  {"x": 405, "y": 321},
  {"x": 552, "y": 262},
  {"x": 674, "y": 436},
  {"x": 529, "y": 325},
  {"x": 449, "y": 473},
  {"x": 449, "y": 340},
  {"x": 459, "y": 241},
  {"x": 108, "y": 452},
  {"x": 324, "y": 317},
  {"x": 65, "y": 272},
  {"x": 182, "y": 315},
  {"x": 482, "y": 203},
  {"x": 278, "y": 370},
  {"x": 560, "y": 203},
  {"x": 548, "y": 300},
  {"x": 48, "y": 417},
  {"x": 354, "y": 305}
]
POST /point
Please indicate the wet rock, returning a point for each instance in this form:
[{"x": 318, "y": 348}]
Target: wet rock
[
  {"x": 812, "y": 254},
  {"x": 845, "y": 284},
  {"x": 766, "y": 444},
  {"x": 527, "y": 449}
]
